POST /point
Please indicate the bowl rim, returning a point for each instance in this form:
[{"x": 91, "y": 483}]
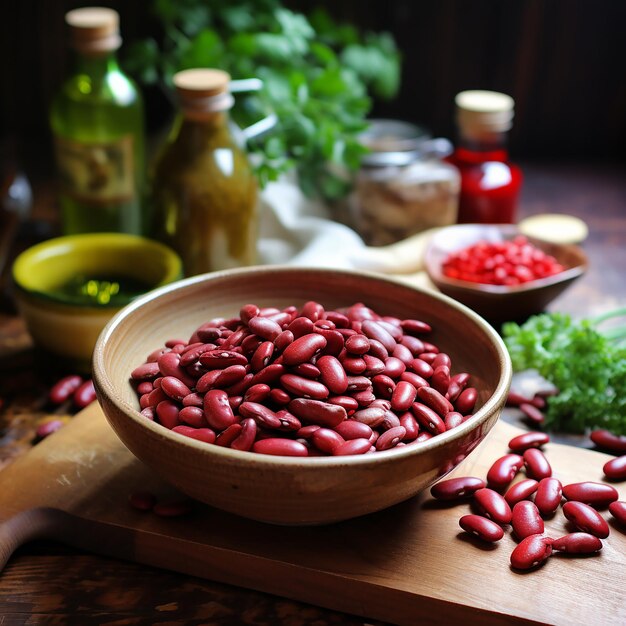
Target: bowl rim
[
  {"x": 509, "y": 231},
  {"x": 68, "y": 244},
  {"x": 104, "y": 386}
]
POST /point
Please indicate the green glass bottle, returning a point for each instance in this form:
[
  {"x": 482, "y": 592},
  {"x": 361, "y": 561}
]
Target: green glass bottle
[
  {"x": 97, "y": 121},
  {"x": 204, "y": 193}
]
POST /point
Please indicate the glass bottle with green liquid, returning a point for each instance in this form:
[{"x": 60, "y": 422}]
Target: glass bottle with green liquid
[{"x": 97, "y": 120}]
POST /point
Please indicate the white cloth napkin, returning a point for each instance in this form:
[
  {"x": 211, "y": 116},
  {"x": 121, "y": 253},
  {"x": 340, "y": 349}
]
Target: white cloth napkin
[{"x": 296, "y": 230}]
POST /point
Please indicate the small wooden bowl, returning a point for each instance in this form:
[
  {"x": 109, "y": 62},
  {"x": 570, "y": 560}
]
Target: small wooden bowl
[
  {"x": 288, "y": 490},
  {"x": 498, "y": 303}
]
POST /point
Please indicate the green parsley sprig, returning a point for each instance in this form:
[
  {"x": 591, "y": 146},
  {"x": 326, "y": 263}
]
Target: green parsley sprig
[{"x": 586, "y": 364}]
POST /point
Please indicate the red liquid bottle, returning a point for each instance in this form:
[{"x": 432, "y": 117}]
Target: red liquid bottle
[{"x": 490, "y": 184}]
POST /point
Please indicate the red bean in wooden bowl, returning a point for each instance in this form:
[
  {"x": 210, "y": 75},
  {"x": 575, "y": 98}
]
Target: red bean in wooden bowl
[{"x": 276, "y": 384}]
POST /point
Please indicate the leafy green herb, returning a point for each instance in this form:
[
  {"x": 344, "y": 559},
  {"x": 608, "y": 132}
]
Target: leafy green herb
[
  {"x": 586, "y": 364},
  {"x": 318, "y": 78}
]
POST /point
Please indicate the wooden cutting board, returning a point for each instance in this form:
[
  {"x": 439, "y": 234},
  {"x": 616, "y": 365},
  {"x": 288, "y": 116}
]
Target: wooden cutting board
[{"x": 409, "y": 564}]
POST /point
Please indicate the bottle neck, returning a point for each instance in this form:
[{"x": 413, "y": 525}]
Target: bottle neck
[
  {"x": 96, "y": 65},
  {"x": 487, "y": 147}
]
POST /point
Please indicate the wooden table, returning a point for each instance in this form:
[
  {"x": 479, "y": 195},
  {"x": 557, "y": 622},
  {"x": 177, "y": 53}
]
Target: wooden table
[{"x": 45, "y": 582}]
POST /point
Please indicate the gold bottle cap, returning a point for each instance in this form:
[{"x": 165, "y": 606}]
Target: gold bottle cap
[
  {"x": 203, "y": 91},
  {"x": 481, "y": 113},
  {"x": 94, "y": 30}
]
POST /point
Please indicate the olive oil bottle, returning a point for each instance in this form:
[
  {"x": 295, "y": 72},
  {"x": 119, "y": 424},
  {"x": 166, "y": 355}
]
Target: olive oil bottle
[
  {"x": 97, "y": 121},
  {"x": 203, "y": 191}
]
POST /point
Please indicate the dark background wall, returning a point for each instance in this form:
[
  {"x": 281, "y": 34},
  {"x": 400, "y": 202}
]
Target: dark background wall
[{"x": 562, "y": 60}]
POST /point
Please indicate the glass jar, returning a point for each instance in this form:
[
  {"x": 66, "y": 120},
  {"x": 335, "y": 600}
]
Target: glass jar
[
  {"x": 403, "y": 187},
  {"x": 204, "y": 193}
]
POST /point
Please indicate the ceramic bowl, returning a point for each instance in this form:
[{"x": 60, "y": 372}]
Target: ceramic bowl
[
  {"x": 287, "y": 490},
  {"x": 66, "y": 323},
  {"x": 498, "y": 303}
]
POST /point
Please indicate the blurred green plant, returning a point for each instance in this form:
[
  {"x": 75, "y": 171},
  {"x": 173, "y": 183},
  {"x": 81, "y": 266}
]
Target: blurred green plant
[{"x": 318, "y": 77}]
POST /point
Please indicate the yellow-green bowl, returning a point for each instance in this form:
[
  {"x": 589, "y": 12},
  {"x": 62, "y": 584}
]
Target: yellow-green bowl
[{"x": 66, "y": 323}]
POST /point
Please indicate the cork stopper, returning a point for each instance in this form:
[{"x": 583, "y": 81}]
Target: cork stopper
[
  {"x": 482, "y": 114},
  {"x": 203, "y": 91},
  {"x": 94, "y": 30}
]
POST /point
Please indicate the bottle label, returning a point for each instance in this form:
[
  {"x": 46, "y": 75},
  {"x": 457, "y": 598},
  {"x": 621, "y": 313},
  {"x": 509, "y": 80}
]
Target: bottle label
[{"x": 96, "y": 173}]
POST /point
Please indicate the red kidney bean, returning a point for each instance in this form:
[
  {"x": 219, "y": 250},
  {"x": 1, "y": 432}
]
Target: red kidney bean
[
  {"x": 313, "y": 310},
  {"x": 248, "y": 311},
  {"x": 353, "y": 446},
  {"x": 176, "y": 508},
  {"x": 618, "y": 510},
  {"x": 410, "y": 425},
  {"x": 424, "y": 436},
  {"x": 207, "y": 381},
  {"x": 351, "y": 429},
  {"x": 279, "y": 396},
  {"x": 327, "y": 440},
  {"x": 481, "y": 527},
  {"x": 421, "y": 368},
  {"x": 334, "y": 341},
  {"x": 145, "y": 371},
  {"x": 300, "y": 326},
  {"x": 372, "y": 416},
  {"x": 415, "y": 379},
  {"x": 383, "y": 386},
  {"x": 63, "y": 389},
  {"x": 144, "y": 387},
  {"x": 172, "y": 343},
  {"x": 403, "y": 354},
  {"x": 306, "y": 370},
  {"x": 357, "y": 344},
  {"x": 548, "y": 495},
  {"x": 493, "y": 505},
  {"x": 456, "y": 488},
  {"x": 378, "y": 350},
  {"x": 332, "y": 374},
  {"x": 207, "y": 435},
  {"x": 206, "y": 333},
  {"x": 169, "y": 365},
  {"x": 373, "y": 330},
  {"x": 442, "y": 359},
  {"x": 347, "y": 402},
  {"x": 523, "y": 442},
  {"x": 466, "y": 401},
  {"x": 257, "y": 393},
  {"x": 262, "y": 356},
  {"x": 315, "y": 411},
  {"x": 586, "y": 518},
  {"x": 174, "y": 388},
  {"x": 538, "y": 402},
  {"x": 227, "y": 436},
  {"x": 148, "y": 413},
  {"x": 280, "y": 447},
  {"x": 288, "y": 422},
  {"x": 354, "y": 366},
  {"x": 217, "y": 410},
  {"x": 504, "y": 470},
  {"x": 303, "y": 349},
  {"x": 358, "y": 383},
  {"x": 142, "y": 500},
  {"x": 304, "y": 387},
  {"x": 453, "y": 391},
  {"x": 577, "y": 543},
  {"x": 531, "y": 551},
  {"x": 155, "y": 396},
  {"x": 526, "y": 519},
  {"x": 235, "y": 339},
  {"x": 394, "y": 367},
  {"x": 440, "y": 380},
  {"x": 264, "y": 327},
  {"x": 269, "y": 374},
  {"x": 515, "y": 399},
  {"x": 192, "y": 416},
  {"x": 608, "y": 441},
  {"x": 453, "y": 419},
  {"x": 436, "y": 401},
  {"x": 373, "y": 365},
  {"x": 261, "y": 414},
  {"x": 47, "y": 428},
  {"x": 84, "y": 395},
  {"x": 246, "y": 437},
  {"x": 306, "y": 432},
  {"x": 235, "y": 402},
  {"x": 415, "y": 345},
  {"x": 403, "y": 396},
  {"x": 521, "y": 491},
  {"x": 532, "y": 413},
  {"x": 339, "y": 319},
  {"x": 167, "y": 412},
  {"x": 390, "y": 438},
  {"x": 427, "y": 418},
  {"x": 615, "y": 469},
  {"x": 390, "y": 420},
  {"x": 427, "y": 356},
  {"x": 537, "y": 466},
  {"x": 415, "y": 327},
  {"x": 596, "y": 494},
  {"x": 221, "y": 359},
  {"x": 283, "y": 340},
  {"x": 240, "y": 387}
]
